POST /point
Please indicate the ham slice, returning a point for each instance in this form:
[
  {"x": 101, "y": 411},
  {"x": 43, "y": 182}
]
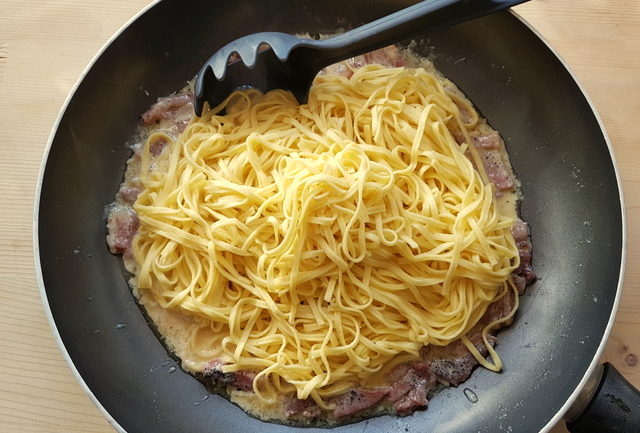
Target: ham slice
[
  {"x": 497, "y": 170},
  {"x": 525, "y": 274},
  {"x": 122, "y": 225},
  {"x": 242, "y": 380},
  {"x": 390, "y": 57},
  {"x": 487, "y": 142},
  {"x": 296, "y": 408},
  {"x": 410, "y": 384},
  {"x": 128, "y": 194},
  {"x": 177, "y": 110},
  {"x": 358, "y": 400}
]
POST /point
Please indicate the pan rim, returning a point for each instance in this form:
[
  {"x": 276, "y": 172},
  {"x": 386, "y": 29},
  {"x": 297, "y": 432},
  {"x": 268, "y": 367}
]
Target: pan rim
[
  {"x": 623, "y": 256},
  {"x": 36, "y": 247},
  {"x": 36, "y": 211}
]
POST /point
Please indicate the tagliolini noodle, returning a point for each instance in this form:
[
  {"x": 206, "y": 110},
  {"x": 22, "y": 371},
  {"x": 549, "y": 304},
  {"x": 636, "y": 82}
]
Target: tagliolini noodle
[{"x": 319, "y": 244}]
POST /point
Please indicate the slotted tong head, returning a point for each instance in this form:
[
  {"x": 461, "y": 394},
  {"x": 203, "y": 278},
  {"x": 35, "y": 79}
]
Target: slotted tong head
[{"x": 292, "y": 62}]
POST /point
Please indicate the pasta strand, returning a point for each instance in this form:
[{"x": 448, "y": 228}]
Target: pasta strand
[{"x": 319, "y": 244}]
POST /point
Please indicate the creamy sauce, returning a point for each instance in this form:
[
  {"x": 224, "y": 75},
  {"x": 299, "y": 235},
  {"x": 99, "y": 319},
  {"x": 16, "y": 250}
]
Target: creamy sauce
[{"x": 176, "y": 327}]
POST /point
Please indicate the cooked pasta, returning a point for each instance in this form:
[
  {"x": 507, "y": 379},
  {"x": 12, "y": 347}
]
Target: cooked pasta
[{"x": 318, "y": 244}]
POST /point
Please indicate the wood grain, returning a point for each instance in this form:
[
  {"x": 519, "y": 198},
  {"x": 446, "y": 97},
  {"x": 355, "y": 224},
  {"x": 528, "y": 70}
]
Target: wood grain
[{"x": 44, "y": 47}]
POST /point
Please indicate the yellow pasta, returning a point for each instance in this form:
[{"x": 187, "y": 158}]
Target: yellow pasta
[{"x": 316, "y": 244}]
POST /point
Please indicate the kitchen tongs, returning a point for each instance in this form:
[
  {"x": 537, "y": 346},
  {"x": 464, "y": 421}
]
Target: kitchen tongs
[{"x": 293, "y": 62}]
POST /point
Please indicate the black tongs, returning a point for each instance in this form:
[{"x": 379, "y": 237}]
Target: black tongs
[{"x": 293, "y": 62}]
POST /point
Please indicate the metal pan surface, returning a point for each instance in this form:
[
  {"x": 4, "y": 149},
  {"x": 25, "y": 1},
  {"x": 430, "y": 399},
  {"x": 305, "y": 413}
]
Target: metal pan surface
[{"x": 572, "y": 201}]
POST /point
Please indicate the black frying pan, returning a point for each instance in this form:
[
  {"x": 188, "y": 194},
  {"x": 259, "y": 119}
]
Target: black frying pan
[{"x": 557, "y": 146}]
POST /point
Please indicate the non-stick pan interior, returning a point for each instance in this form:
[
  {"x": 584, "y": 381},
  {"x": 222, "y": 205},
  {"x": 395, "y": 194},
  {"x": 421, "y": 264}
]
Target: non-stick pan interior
[{"x": 558, "y": 150}]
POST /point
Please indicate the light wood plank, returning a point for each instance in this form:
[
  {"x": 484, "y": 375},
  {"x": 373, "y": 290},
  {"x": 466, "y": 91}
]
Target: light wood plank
[{"x": 45, "y": 45}]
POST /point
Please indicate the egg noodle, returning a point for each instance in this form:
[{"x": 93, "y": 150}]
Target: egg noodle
[{"x": 318, "y": 244}]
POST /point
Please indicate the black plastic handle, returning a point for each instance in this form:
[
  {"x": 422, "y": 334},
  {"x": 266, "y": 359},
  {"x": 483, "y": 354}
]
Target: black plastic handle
[
  {"x": 405, "y": 24},
  {"x": 614, "y": 408}
]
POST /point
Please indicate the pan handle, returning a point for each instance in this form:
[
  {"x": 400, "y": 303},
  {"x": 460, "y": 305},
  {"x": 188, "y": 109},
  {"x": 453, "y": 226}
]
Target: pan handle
[{"x": 610, "y": 404}]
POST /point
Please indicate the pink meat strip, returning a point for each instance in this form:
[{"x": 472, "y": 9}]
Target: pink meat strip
[
  {"x": 487, "y": 142},
  {"x": 525, "y": 274},
  {"x": 176, "y": 109},
  {"x": 128, "y": 194},
  {"x": 358, "y": 400},
  {"x": 389, "y": 57},
  {"x": 296, "y": 408},
  {"x": 410, "y": 384},
  {"x": 497, "y": 171},
  {"x": 122, "y": 225},
  {"x": 242, "y": 380}
]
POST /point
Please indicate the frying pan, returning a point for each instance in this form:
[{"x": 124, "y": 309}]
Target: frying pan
[{"x": 572, "y": 201}]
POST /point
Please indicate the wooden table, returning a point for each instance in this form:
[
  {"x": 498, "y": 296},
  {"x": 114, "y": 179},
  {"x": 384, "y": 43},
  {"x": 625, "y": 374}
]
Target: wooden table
[{"x": 44, "y": 47}]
